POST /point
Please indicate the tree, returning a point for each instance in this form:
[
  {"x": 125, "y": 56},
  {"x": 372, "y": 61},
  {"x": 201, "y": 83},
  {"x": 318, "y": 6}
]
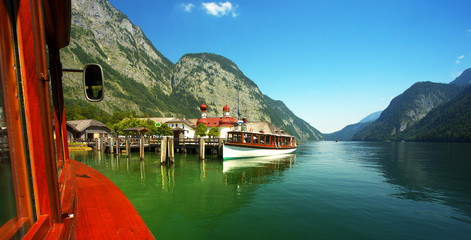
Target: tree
[
  {"x": 127, "y": 123},
  {"x": 214, "y": 132},
  {"x": 149, "y": 124},
  {"x": 201, "y": 130},
  {"x": 164, "y": 130}
]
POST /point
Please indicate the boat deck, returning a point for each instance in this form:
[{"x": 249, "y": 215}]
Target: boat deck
[{"x": 103, "y": 211}]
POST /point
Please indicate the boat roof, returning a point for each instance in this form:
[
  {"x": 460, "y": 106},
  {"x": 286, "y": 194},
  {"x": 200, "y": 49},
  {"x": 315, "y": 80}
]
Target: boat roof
[
  {"x": 280, "y": 134},
  {"x": 266, "y": 128}
]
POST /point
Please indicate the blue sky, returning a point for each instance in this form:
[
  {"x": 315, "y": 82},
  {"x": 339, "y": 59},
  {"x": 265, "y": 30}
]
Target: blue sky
[{"x": 331, "y": 62}]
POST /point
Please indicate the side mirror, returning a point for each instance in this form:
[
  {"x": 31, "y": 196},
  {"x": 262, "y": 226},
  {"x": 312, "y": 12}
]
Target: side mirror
[{"x": 93, "y": 84}]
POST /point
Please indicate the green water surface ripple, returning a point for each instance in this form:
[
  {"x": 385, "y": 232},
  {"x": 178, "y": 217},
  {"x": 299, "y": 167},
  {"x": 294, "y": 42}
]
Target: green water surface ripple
[{"x": 326, "y": 190}]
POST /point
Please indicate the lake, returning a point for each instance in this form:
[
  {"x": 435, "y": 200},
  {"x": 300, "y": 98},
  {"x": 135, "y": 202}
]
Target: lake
[{"x": 326, "y": 190}]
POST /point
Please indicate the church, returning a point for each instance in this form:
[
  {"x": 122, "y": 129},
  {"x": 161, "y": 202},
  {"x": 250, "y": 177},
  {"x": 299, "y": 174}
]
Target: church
[{"x": 225, "y": 123}]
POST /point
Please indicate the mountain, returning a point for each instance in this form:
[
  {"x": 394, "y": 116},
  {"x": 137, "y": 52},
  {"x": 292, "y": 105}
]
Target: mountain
[
  {"x": 450, "y": 122},
  {"x": 217, "y": 81},
  {"x": 346, "y": 133},
  {"x": 407, "y": 109},
  {"x": 464, "y": 79},
  {"x": 141, "y": 80},
  {"x": 371, "y": 118},
  {"x": 136, "y": 74}
]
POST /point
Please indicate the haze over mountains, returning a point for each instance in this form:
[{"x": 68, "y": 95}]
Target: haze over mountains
[
  {"x": 346, "y": 133},
  {"x": 140, "y": 79}
]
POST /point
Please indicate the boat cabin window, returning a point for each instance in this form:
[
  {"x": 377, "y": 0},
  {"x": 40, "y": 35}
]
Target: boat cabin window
[
  {"x": 255, "y": 138},
  {"x": 247, "y": 138},
  {"x": 234, "y": 137}
]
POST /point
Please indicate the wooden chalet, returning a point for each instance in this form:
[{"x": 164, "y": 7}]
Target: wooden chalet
[{"x": 86, "y": 130}]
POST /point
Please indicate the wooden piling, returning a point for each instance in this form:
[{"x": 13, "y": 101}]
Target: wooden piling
[
  {"x": 220, "y": 144},
  {"x": 141, "y": 147},
  {"x": 111, "y": 145},
  {"x": 202, "y": 148},
  {"x": 117, "y": 145},
  {"x": 171, "y": 155},
  {"x": 128, "y": 152},
  {"x": 163, "y": 150},
  {"x": 98, "y": 145}
]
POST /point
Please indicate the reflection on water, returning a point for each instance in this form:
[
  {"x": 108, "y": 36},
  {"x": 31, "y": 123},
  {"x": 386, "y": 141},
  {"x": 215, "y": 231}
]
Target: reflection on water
[
  {"x": 429, "y": 172},
  {"x": 326, "y": 190},
  {"x": 256, "y": 170},
  {"x": 233, "y": 165}
]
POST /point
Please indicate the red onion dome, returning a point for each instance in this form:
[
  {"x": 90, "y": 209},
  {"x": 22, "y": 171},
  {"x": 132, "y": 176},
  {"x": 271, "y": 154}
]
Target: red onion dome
[
  {"x": 226, "y": 108},
  {"x": 203, "y": 107}
]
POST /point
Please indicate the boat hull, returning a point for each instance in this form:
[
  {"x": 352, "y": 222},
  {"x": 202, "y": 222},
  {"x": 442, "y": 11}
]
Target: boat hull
[{"x": 237, "y": 151}]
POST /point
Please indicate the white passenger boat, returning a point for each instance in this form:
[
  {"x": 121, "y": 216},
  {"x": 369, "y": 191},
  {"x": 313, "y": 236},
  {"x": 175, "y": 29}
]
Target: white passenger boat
[{"x": 241, "y": 144}]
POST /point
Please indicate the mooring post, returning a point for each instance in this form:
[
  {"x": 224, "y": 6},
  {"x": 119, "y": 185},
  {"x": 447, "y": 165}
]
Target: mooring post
[
  {"x": 171, "y": 156},
  {"x": 220, "y": 143},
  {"x": 117, "y": 146},
  {"x": 98, "y": 144},
  {"x": 163, "y": 150},
  {"x": 111, "y": 145},
  {"x": 128, "y": 153},
  {"x": 141, "y": 147},
  {"x": 201, "y": 148}
]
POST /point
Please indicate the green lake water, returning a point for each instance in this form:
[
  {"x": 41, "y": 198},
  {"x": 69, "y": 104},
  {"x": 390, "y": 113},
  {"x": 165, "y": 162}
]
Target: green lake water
[{"x": 326, "y": 190}]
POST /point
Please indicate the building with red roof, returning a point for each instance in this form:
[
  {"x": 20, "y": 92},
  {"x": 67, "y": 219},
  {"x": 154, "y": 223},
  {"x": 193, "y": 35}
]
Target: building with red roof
[{"x": 225, "y": 123}]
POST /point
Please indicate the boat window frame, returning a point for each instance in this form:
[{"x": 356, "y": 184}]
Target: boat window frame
[
  {"x": 247, "y": 138},
  {"x": 255, "y": 138},
  {"x": 17, "y": 137}
]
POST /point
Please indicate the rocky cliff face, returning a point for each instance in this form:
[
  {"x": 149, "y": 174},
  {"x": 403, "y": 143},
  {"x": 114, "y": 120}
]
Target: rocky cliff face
[
  {"x": 217, "y": 81},
  {"x": 139, "y": 78},
  {"x": 102, "y": 34}
]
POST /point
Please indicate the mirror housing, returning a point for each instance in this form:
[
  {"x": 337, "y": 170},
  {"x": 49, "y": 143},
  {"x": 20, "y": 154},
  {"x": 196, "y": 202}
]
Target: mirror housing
[{"x": 93, "y": 84}]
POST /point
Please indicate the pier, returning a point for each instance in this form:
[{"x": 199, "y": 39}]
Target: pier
[{"x": 167, "y": 146}]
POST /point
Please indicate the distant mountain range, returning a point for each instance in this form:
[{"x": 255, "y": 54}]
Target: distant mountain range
[
  {"x": 346, "y": 133},
  {"x": 139, "y": 79}
]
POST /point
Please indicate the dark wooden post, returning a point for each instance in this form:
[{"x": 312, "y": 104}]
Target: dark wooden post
[
  {"x": 128, "y": 153},
  {"x": 220, "y": 144}
]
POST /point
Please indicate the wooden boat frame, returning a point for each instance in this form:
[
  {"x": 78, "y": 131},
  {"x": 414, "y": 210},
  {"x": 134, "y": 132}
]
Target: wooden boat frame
[{"x": 54, "y": 197}]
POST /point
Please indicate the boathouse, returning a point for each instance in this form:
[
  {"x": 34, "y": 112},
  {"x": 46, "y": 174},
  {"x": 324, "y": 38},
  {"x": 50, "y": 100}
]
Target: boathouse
[{"x": 86, "y": 130}]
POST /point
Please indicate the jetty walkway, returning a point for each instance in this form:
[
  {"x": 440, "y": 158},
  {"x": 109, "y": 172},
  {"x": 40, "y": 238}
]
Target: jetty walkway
[{"x": 165, "y": 145}]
